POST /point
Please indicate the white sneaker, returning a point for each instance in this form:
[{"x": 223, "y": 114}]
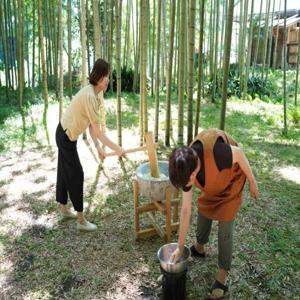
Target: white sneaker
[
  {"x": 87, "y": 226},
  {"x": 68, "y": 215}
]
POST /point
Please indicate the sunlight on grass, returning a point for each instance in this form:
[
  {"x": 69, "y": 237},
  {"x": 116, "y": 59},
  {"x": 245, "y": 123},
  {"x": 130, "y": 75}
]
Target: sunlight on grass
[
  {"x": 38, "y": 249},
  {"x": 290, "y": 173}
]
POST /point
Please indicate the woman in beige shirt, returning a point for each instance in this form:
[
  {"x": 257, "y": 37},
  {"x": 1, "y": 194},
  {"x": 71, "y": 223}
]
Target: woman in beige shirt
[{"x": 82, "y": 113}]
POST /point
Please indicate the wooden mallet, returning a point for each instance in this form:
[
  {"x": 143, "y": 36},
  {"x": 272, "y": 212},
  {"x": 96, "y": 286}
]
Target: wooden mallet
[{"x": 150, "y": 147}]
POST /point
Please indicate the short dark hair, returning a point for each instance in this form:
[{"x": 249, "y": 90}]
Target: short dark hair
[
  {"x": 100, "y": 69},
  {"x": 182, "y": 163}
]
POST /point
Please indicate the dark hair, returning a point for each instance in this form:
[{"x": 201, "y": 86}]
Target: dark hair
[
  {"x": 182, "y": 163},
  {"x": 100, "y": 69}
]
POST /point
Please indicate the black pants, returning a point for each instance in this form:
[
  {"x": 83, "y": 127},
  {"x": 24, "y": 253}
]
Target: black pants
[{"x": 69, "y": 171}]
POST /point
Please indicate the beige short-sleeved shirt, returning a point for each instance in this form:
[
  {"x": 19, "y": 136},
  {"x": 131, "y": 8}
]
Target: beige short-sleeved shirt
[{"x": 82, "y": 111}]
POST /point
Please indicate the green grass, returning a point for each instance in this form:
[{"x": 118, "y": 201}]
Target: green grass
[{"x": 53, "y": 261}]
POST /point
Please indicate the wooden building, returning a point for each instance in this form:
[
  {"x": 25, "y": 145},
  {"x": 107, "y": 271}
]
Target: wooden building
[{"x": 292, "y": 37}]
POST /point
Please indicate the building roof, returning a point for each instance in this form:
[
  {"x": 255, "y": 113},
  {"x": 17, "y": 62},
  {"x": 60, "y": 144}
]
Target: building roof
[{"x": 289, "y": 21}]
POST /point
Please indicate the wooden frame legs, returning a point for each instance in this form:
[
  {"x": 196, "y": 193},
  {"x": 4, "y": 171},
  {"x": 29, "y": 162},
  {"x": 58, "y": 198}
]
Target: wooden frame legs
[{"x": 164, "y": 207}]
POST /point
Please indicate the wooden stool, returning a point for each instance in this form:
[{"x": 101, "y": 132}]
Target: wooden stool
[{"x": 164, "y": 207}]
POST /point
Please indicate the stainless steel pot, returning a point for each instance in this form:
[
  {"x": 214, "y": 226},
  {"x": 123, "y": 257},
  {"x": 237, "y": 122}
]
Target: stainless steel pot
[{"x": 164, "y": 254}]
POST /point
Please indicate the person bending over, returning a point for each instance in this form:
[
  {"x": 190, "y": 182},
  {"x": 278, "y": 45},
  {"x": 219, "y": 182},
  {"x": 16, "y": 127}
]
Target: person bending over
[{"x": 216, "y": 165}]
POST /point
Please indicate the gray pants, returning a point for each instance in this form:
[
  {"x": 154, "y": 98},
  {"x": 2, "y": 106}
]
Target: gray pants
[{"x": 225, "y": 241}]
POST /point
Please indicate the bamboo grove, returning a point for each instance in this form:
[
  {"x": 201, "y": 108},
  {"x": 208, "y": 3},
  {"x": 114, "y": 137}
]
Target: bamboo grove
[{"x": 183, "y": 49}]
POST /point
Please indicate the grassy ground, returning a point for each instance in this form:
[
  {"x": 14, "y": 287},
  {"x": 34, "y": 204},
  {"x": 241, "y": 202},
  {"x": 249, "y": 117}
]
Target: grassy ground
[{"x": 42, "y": 257}]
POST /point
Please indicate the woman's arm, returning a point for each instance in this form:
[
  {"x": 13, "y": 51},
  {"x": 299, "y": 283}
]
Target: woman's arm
[
  {"x": 98, "y": 134},
  {"x": 92, "y": 134},
  {"x": 239, "y": 157},
  {"x": 185, "y": 216},
  {"x": 101, "y": 153}
]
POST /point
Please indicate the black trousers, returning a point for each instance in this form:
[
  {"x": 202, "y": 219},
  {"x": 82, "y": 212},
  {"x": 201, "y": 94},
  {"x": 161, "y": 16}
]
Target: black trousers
[{"x": 69, "y": 171}]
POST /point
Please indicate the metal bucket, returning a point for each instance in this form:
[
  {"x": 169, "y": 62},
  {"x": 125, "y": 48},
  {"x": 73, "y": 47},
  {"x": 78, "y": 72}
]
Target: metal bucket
[{"x": 164, "y": 254}]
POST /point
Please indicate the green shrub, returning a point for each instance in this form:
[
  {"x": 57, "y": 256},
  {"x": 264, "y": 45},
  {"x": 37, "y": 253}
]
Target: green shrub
[
  {"x": 127, "y": 76},
  {"x": 293, "y": 114}
]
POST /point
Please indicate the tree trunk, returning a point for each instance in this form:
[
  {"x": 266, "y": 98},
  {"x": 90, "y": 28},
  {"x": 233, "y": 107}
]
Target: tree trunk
[
  {"x": 97, "y": 39},
  {"x": 97, "y": 30},
  {"x": 297, "y": 69},
  {"x": 284, "y": 68},
  {"x": 12, "y": 31},
  {"x": 169, "y": 74},
  {"x": 109, "y": 40},
  {"x": 241, "y": 32},
  {"x": 266, "y": 37},
  {"x": 216, "y": 48},
  {"x": 83, "y": 43},
  {"x": 69, "y": 12},
  {"x": 222, "y": 33},
  {"x": 49, "y": 35},
  {"x": 21, "y": 50},
  {"x": 87, "y": 12},
  {"x": 269, "y": 48},
  {"x": 55, "y": 40},
  {"x": 153, "y": 47},
  {"x": 105, "y": 37},
  {"x": 181, "y": 63},
  {"x": 61, "y": 70},
  {"x": 143, "y": 60},
  {"x": 258, "y": 38},
  {"x": 127, "y": 36},
  {"x": 137, "y": 56},
  {"x": 220, "y": 73},
  {"x": 177, "y": 19},
  {"x": 118, "y": 66},
  {"x": 27, "y": 46},
  {"x": 33, "y": 43},
  {"x": 191, "y": 51},
  {"x": 53, "y": 35},
  {"x": 228, "y": 34},
  {"x": 242, "y": 61},
  {"x": 43, "y": 60},
  {"x": 248, "y": 57},
  {"x": 200, "y": 62},
  {"x": 276, "y": 39},
  {"x": 164, "y": 44},
  {"x": 211, "y": 35},
  {"x": 158, "y": 44},
  {"x": 5, "y": 51}
]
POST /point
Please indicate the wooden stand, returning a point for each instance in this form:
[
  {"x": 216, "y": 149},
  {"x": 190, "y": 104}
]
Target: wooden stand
[{"x": 164, "y": 207}]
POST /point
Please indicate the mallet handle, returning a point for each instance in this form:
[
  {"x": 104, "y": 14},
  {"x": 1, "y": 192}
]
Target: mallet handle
[{"x": 136, "y": 149}]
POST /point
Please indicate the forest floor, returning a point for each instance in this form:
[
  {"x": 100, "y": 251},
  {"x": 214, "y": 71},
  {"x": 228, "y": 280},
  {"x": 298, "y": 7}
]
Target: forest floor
[{"x": 42, "y": 257}]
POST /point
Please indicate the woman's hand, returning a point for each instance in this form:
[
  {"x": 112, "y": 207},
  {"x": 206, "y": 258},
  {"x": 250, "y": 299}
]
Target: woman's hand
[
  {"x": 254, "y": 192},
  {"x": 175, "y": 255},
  {"x": 121, "y": 152},
  {"x": 101, "y": 153}
]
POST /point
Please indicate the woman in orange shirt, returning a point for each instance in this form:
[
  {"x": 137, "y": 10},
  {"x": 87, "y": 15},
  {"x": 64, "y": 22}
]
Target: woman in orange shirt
[{"x": 219, "y": 168}]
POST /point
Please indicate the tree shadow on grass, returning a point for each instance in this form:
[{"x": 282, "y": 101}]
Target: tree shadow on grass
[
  {"x": 35, "y": 206},
  {"x": 3, "y": 203},
  {"x": 58, "y": 262}
]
